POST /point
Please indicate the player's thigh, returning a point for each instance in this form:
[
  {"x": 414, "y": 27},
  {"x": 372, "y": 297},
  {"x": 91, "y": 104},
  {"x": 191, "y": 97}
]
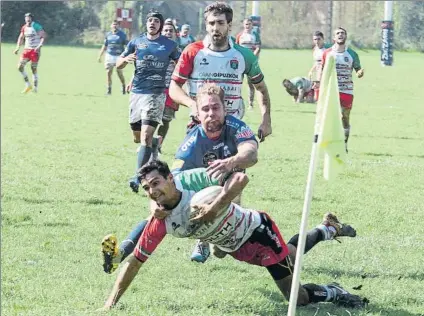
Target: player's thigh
[
  {"x": 265, "y": 247},
  {"x": 152, "y": 107},
  {"x": 135, "y": 108},
  {"x": 110, "y": 62},
  {"x": 168, "y": 114}
]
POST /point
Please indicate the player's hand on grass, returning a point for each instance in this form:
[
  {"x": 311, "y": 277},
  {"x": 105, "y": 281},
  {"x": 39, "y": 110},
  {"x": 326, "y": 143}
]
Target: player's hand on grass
[
  {"x": 131, "y": 58},
  {"x": 264, "y": 129},
  {"x": 206, "y": 213},
  {"x": 219, "y": 168},
  {"x": 360, "y": 73},
  {"x": 99, "y": 59}
]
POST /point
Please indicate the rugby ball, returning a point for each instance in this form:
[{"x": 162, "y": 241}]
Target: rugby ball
[{"x": 205, "y": 196}]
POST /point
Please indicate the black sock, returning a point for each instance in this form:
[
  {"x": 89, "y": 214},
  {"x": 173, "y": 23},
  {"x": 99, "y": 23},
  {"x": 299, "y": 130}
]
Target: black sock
[
  {"x": 318, "y": 293},
  {"x": 312, "y": 238}
]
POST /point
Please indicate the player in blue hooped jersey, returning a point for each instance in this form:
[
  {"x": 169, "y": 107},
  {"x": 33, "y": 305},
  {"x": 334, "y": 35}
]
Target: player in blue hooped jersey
[
  {"x": 114, "y": 45},
  {"x": 150, "y": 53}
]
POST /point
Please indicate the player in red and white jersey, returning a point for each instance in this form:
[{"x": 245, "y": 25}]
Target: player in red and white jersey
[
  {"x": 249, "y": 39},
  {"x": 347, "y": 60},
  {"x": 318, "y": 51},
  {"x": 218, "y": 59},
  {"x": 33, "y": 34},
  {"x": 247, "y": 235}
]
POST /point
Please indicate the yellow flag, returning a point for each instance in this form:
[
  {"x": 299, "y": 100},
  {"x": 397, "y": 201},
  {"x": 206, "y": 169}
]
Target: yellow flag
[{"x": 328, "y": 125}]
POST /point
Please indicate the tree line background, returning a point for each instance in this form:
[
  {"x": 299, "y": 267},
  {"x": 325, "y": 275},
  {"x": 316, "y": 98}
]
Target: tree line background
[{"x": 285, "y": 24}]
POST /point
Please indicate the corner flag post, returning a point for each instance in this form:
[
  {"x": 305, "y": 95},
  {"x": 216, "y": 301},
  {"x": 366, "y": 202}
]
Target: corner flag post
[{"x": 329, "y": 137}]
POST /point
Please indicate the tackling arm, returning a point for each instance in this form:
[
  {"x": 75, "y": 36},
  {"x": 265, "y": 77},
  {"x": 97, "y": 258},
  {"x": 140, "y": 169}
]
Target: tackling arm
[{"x": 247, "y": 155}]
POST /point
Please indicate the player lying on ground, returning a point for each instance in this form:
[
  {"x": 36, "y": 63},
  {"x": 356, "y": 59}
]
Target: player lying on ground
[
  {"x": 246, "y": 235},
  {"x": 300, "y": 89}
]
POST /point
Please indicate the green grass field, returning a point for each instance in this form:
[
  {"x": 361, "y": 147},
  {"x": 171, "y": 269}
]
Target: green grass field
[{"x": 67, "y": 154}]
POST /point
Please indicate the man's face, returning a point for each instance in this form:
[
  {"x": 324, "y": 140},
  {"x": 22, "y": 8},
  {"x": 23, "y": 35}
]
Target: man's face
[
  {"x": 247, "y": 26},
  {"x": 159, "y": 189},
  {"x": 114, "y": 26},
  {"x": 28, "y": 20},
  {"x": 185, "y": 31},
  {"x": 153, "y": 25},
  {"x": 218, "y": 29},
  {"x": 318, "y": 41},
  {"x": 340, "y": 36},
  {"x": 211, "y": 113},
  {"x": 168, "y": 31}
]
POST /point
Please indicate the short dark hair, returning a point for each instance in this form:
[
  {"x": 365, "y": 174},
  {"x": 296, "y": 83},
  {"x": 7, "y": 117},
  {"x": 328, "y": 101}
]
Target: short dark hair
[
  {"x": 340, "y": 28},
  {"x": 217, "y": 8},
  {"x": 161, "y": 167},
  {"x": 248, "y": 20},
  {"x": 319, "y": 33}
]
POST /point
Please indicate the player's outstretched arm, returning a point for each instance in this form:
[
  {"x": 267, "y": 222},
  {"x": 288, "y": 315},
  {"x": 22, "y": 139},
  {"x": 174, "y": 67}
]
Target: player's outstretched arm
[
  {"x": 127, "y": 274},
  {"x": 247, "y": 155},
  {"x": 264, "y": 101}
]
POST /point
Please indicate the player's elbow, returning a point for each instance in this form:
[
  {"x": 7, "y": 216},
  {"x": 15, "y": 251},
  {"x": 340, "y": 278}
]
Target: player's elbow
[{"x": 173, "y": 90}]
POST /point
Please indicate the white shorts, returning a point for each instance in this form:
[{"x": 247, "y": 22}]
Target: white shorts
[
  {"x": 146, "y": 107},
  {"x": 110, "y": 61}
]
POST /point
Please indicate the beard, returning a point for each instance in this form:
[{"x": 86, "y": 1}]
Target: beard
[
  {"x": 219, "y": 41},
  {"x": 214, "y": 126},
  {"x": 341, "y": 42}
]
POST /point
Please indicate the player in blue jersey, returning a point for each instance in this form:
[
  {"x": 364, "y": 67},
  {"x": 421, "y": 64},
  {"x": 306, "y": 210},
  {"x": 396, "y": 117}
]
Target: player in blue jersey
[
  {"x": 150, "y": 53},
  {"x": 221, "y": 143},
  {"x": 114, "y": 45}
]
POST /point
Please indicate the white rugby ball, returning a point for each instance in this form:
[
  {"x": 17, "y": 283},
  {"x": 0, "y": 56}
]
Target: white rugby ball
[{"x": 205, "y": 196}]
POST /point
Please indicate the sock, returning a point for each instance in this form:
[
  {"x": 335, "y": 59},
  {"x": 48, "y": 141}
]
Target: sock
[
  {"x": 312, "y": 238},
  {"x": 127, "y": 246},
  {"x": 143, "y": 156},
  {"x": 24, "y": 74},
  {"x": 319, "y": 293},
  {"x": 347, "y": 132},
  {"x": 35, "y": 78},
  {"x": 327, "y": 231}
]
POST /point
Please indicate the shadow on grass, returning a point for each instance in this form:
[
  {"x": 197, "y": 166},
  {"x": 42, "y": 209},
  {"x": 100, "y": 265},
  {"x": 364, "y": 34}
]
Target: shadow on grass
[
  {"x": 91, "y": 201},
  {"x": 389, "y": 137},
  {"x": 79, "y": 95},
  {"x": 378, "y": 154},
  {"x": 367, "y": 275},
  {"x": 301, "y": 111},
  {"x": 325, "y": 309}
]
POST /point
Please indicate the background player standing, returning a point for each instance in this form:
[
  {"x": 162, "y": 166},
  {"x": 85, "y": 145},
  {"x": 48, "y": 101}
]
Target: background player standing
[
  {"x": 114, "y": 45},
  {"x": 34, "y": 35}
]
